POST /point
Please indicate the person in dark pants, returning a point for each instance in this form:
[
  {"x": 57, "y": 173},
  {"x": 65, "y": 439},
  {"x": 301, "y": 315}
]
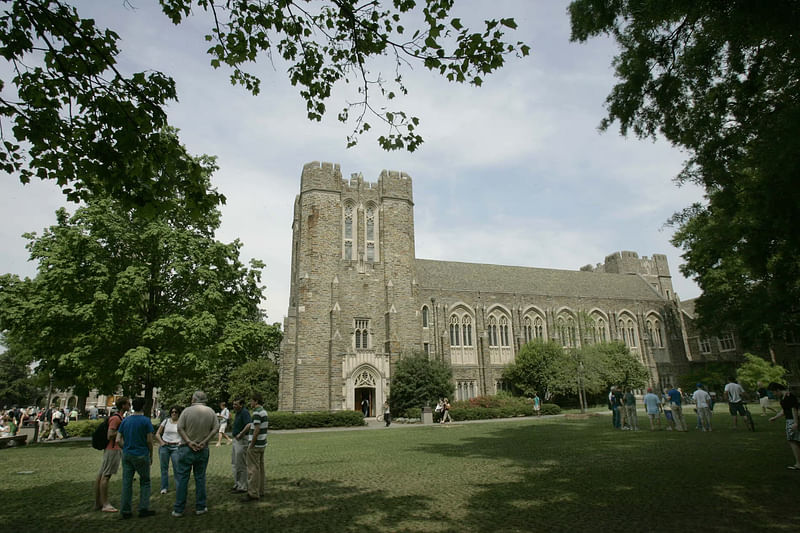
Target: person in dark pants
[
  {"x": 365, "y": 407},
  {"x": 135, "y": 435},
  {"x": 387, "y": 414}
]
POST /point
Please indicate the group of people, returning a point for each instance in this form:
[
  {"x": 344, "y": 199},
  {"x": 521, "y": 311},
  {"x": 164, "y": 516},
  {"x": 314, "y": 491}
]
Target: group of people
[
  {"x": 52, "y": 421},
  {"x": 183, "y": 440},
  {"x": 624, "y": 415}
]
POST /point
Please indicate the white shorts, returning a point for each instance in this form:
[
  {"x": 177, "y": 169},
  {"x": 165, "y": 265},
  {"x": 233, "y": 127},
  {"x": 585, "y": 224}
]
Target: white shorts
[{"x": 222, "y": 427}]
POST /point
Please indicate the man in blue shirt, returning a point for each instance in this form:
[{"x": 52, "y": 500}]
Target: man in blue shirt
[
  {"x": 677, "y": 410},
  {"x": 135, "y": 435}
]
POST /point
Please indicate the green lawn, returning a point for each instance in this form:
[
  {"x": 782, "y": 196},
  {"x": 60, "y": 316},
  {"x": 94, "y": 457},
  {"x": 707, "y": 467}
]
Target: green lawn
[{"x": 529, "y": 475}]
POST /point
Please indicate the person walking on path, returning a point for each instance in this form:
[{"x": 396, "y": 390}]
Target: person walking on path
[
  {"x": 702, "y": 401},
  {"x": 537, "y": 405},
  {"x": 197, "y": 425},
  {"x": 630, "y": 409},
  {"x": 168, "y": 442},
  {"x": 365, "y": 407},
  {"x": 387, "y": 414},
  {"x": 652, "y": 405},
  {"x": 677, "y": 409},
  {"x": 112, "y": 457},
  {"x": 239, "y": 448},
  {"x": 135, "y": 435},
  {"x": 790, "y": 408},
  {"x": 257, "y": 441},
  {"x": 224, "y": 416},
  {"x": 734, "y": 394}
]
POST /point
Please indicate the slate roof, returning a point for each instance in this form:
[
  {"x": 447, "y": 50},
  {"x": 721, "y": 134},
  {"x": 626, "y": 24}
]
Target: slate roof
[
  {"x": 452, "y": 275},
  {"x": 687, "y": 306}
]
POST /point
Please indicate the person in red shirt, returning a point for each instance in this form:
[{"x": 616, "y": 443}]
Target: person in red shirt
[{"x": 112, "y": 456}]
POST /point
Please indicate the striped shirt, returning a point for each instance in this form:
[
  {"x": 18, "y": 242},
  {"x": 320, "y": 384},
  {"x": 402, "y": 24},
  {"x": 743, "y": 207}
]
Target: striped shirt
[{"x": 258, "y": 418}]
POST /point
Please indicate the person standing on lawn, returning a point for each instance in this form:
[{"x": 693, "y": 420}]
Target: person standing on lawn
[
  {"x": 630, "y": 409},
  {"x": 675, "y": 401},
  {"x": 239, "y": 452},
  {"x": 734, "y": 394},
  {"x": 112, "y": 457},
  {"x": 790, "y": 411},
  {"x": 257, "y": 441},
  {"x": 652, "y": 405},
  {"x": 702, "y": 401},
  {"x": 168, "y": 442},
  {"x": 615, "y": 404},
  {"x": 135, "y": 436},
  {"x": 197, "y": 425},
  {"x": 537, "y": 404}
]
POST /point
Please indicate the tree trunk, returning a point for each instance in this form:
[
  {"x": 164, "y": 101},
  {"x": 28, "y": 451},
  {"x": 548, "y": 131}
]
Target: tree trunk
[{"x": 148, "y": 398}]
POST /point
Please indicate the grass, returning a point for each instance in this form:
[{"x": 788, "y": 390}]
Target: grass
[{"x": 527, "y": 475}]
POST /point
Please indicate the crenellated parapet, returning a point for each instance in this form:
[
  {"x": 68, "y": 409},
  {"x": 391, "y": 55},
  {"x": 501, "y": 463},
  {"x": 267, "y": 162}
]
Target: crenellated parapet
[
  {"x": 397, "y": 185},
  {"x": 321, "y": 176}
]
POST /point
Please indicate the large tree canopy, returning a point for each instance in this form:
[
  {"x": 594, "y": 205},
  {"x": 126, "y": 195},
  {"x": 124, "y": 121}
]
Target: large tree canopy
[
  {"x": 419, "y": 381},
  {"x": 68, "y": 113},
  {"x": 720, "y": 80},
  {"x": 121, "y": 298}
]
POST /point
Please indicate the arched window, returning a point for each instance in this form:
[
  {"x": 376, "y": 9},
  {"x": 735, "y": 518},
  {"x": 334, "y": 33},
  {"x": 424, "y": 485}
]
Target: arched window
[
  {"x": 361, "y": 334},
  {"x": 567, "y": 332},
  {"x": 454, "y": 331},
  {"x": 466, "y": 328},
  {"x": 349, "y": 222},
  {"x": 601, "y": 334},
  {"x": 527, "y": 329},
  {"x": 504, "y": 331},
  {"x": 424, "y": 316},
  {"x": 627, "y": 331},
  {"x": 370, "y": 231},
  {"x": 538, "y": 327},
  {"x": 492, "y": 330}
]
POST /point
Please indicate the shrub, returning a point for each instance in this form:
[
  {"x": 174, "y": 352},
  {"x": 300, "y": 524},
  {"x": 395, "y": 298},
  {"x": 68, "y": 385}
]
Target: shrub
[
  {"x": 464, "y": 410},
  {"x": 413, "y": 412},
  {"x": 322, "y": 419}
]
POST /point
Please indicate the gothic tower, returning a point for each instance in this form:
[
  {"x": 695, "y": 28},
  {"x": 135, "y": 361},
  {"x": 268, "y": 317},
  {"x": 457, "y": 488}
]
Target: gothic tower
[{"x": 352, "y": 290}]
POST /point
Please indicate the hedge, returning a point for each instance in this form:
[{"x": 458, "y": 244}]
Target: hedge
[
  {"x": 322, "y": 419},
  {"x": 484, "y": 413}
]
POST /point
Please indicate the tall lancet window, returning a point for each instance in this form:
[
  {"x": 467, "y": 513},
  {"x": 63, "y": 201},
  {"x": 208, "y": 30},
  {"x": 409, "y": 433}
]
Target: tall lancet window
[
  {"x": 348, "y": 232},
  {"x": 369, "y": 233}
]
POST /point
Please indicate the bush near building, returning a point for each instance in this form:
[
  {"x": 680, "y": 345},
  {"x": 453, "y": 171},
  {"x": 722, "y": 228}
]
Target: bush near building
[{"x": 500, "y": 406}]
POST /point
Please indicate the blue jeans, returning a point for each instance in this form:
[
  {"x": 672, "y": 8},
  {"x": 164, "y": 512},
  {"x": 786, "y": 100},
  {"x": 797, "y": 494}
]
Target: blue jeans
[
  {"x": 189, "y": 460},
  {"x": 615, "y": 417},
  {"x": 166, "y": 455},
  {"x": 139, "y": 464}
]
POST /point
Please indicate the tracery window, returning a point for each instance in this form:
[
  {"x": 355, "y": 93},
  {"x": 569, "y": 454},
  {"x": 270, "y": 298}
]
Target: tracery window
[
  {"x": 492, "y": 330},
  {"x": 654, "y": 331},
  {"x": 527, "y": 329},
  {"x": 599, "y": 331},
  {"x": 567, "y": 333},
  {"x": 370, "y": 230},
  {"x": 504, "y": 331},
  {"x": 627, "y": 331},
  {"x": 455, "y": 338},
  {"x": 361, "y": 334},
  {"x": 466, "y": 330},
  {"x": 349, "y": 221}
]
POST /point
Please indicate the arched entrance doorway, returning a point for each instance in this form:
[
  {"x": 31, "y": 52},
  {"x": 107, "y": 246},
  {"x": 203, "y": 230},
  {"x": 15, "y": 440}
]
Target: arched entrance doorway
[{"x": 364, "y": 385}]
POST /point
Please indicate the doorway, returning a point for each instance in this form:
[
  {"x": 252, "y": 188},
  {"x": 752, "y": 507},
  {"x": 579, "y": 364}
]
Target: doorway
[{"x": 365, "y": 393}]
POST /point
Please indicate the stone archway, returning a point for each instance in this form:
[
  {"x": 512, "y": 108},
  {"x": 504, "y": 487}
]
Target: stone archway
[{"x": 365, "y": 383}]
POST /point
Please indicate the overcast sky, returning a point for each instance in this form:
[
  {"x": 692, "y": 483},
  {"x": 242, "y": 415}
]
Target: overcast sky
[{"x": 514, "y": 172}]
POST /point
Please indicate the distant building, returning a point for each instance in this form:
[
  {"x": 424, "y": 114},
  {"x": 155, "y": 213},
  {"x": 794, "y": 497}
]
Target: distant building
[{"x": 360, "y": 299}]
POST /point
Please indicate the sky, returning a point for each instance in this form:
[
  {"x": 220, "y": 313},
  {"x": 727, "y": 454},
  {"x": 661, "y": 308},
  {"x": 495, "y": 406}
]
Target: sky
[{"x": 515, "y": 172}]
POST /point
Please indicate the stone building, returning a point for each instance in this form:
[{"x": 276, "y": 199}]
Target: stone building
[{"x": 360, "y": 299}]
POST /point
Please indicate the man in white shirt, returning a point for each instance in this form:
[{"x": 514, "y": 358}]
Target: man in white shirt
[
  {"x": 733, "y": 393},
  {"x": 224, "y": 417},
  {"x": 702, "y": 401}
]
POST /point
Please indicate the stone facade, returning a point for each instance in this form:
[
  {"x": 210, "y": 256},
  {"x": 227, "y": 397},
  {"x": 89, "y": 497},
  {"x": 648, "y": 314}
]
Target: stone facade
[{"x": 360, "y": 300}]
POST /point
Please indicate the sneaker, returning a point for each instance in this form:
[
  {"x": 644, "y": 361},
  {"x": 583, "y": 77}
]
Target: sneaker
[
  {"x": 144, "y": 513},
  {"x": 176, "y": 514},
  {"x": 163, "y": 491},
  {"x": 204, "y": 510}
]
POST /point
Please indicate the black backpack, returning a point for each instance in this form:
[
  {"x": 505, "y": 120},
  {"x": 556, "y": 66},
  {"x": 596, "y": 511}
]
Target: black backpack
[{"x": 100, "y": 435}]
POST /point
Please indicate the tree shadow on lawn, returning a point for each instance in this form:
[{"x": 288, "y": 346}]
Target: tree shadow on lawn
[
  {"x": 579, "y": 475},
  {"x": 290, "y": 505}
]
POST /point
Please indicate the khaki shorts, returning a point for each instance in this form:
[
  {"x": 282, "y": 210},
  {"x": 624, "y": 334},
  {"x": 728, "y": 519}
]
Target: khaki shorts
[{"x": 111, "y": 460}]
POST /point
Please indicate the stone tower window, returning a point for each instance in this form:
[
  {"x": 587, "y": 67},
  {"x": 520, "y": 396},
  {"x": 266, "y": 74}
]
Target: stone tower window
[
  {"x": 349, "y": 220},
  {"x": 361, "y": 335},
  {"x": 370, "y": 230},
  {"x": 424, "y": 316}
]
